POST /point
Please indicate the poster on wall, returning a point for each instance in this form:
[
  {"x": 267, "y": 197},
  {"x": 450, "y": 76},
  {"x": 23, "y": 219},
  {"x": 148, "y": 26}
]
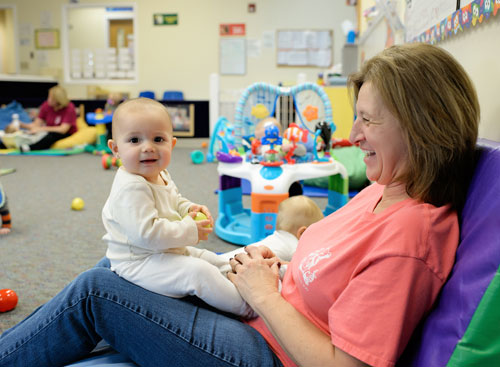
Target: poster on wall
[
  {"x": 305, "y": 48},
  {"x": 230, "y": 29},
  {"x": 232, "y": 56},
  {"x": 46, "y": 38},
  {"x": 422, "y": 14},
  {"x": 471, "y": 13}
]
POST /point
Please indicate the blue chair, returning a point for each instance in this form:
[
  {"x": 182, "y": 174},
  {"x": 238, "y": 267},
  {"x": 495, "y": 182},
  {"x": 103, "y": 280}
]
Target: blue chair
[
  {"x": 173, "y": 95},
  {"x": 147, "y": 94}
]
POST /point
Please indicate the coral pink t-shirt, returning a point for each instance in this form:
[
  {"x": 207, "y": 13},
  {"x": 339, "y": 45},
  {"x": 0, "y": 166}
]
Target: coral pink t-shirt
[
  {"x": 367, "y": 279},
  {"x": 65, "y": 115}
]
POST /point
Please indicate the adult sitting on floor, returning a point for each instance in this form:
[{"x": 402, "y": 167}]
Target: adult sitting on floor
[
  {"x": 56, "y": 120},
  {"x": 361, "y": 279}
]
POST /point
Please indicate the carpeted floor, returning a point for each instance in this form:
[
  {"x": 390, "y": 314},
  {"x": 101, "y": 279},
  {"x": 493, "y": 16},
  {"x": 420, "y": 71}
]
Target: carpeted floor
[{"x": 50, "y": 243}]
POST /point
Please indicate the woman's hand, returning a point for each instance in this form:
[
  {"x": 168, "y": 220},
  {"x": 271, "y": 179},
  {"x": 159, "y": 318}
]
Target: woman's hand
[
  {"x": 33, "y": 129},
  {"x": 255, "y": 274}
]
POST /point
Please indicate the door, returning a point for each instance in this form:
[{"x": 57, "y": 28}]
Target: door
[{"x": 121, "y": 32}]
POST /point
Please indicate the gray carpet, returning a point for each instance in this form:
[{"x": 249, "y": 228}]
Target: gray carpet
[{"x": 50, "y": 243}]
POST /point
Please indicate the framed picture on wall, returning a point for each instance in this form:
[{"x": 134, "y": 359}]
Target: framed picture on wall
[
  {"x": 46, "y": 38},
  {"x": 182, "y": 116}
]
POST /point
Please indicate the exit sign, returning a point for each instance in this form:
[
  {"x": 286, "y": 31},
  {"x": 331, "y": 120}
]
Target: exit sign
[{"x": 165, "y": 19}]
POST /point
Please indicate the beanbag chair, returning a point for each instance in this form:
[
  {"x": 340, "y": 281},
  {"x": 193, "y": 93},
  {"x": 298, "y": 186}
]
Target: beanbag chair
[{"x": 84, "y": 135}]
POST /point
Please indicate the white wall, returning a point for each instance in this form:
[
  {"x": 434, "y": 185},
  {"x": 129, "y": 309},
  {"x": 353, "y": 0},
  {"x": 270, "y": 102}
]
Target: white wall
[
  {"x": 87, "y": 28},
  {"x": 478, "y": 50},
  {"x": 182, "y": 57}
]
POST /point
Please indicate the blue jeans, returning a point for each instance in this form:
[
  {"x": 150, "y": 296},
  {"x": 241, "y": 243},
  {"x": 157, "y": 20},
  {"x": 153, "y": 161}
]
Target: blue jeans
[{"x": 151, "y": 329}]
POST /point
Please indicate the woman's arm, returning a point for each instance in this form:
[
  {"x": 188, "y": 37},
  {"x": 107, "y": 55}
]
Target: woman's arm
[
  {"x": 61, "y": 129},
  {"x": 307, "y": 345},
  {"x": 37, "y": 122}
]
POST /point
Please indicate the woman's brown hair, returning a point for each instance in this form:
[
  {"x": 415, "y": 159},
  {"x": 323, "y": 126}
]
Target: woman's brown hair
[
  {"x": 430, "y": 94},
  {"x": 60, "y": 96}
]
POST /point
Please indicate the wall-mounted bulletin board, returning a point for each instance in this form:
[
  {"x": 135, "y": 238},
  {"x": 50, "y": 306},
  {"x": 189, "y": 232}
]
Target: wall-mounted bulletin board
[
  {"x": 421, "y": 15},
  {"x": 429, "y": 21},
  {"x": 432, "y": 21},
  {"x": 313, "y": 48}
]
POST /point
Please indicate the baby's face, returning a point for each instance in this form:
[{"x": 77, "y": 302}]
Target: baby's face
[{"x": 143, "y": 141}]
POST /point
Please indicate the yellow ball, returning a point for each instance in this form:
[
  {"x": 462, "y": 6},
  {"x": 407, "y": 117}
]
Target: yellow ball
[
  {"x": 77, "y": 204},
  {"x": 201, "y": 216}
]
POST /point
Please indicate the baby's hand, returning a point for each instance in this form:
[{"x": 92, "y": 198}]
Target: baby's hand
[
  {"x": 203, "y": 224},
  {"x": 203, "y": 209}
]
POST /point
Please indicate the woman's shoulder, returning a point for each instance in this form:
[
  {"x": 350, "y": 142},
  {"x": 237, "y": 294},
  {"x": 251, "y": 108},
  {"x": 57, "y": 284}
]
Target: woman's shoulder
[
  {"x": 412, "y": 216},
  {"x": 423, "y": 231},
  {"x": 44, "y": 106},
  {"x": 415, "y": 210}
]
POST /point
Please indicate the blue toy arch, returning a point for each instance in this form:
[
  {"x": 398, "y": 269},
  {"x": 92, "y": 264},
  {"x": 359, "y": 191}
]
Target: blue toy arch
[{"x": 267, "y": 95}]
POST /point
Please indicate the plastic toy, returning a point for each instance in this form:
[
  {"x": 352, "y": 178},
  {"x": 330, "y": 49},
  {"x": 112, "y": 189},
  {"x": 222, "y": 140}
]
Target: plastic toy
[
  {"x": 100, "y": 120},
  {"x": 271, "y": 138},
  {"x": 322, "y": 137},
  {"x": 294, "y": 135},
  {"x": 77, "y": 204},
  {"x": 222, "y": 138},
  {"x": 8, "y": 300},
  {"x": 298, "y": 109},
  {"x": 197, "y": 156},
  {"x": 108, "y": 161},
  {"x": 270, "y": 185},
  {"x": 304, "y": 104}
]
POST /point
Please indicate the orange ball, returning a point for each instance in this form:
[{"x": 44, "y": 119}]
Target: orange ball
[
  {"x": 204, "y": 144},
  {"x": 8, "y": 300}
]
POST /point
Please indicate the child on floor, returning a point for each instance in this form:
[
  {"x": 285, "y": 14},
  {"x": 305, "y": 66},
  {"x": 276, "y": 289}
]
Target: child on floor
[
  {"x": 4, "y": 213},
  {"x": 295, "y": 214},
  {"x": 112, "y": 103},
  {"x": 150, "y": 225}
]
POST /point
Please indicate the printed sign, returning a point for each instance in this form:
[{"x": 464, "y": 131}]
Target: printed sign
[
  {"x": 165, "y": 19},
  {"x": 232, "y": 29}
]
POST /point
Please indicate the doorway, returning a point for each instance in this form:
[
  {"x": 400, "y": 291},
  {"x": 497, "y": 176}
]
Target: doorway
[
  {"x": 8, "y": 44},
  {"x": 121, "y": 32}
]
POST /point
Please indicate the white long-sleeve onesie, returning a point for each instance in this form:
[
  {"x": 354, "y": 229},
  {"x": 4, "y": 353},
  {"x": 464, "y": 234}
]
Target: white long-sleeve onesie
[{"x": 149, "y": 235}]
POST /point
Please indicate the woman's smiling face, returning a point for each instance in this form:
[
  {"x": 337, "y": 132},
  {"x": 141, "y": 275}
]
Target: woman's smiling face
[{"x": 378, "y": 133}]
